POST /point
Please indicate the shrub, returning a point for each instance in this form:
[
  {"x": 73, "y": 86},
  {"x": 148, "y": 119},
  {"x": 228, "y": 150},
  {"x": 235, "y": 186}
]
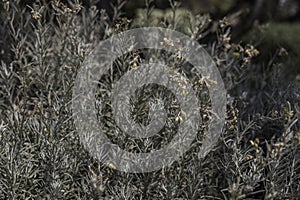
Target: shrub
[{"x": 41, "y": 155}]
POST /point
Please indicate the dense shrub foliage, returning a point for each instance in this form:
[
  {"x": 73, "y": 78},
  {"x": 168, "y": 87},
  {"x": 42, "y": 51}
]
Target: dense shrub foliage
[{"x": 41, "y": 157}]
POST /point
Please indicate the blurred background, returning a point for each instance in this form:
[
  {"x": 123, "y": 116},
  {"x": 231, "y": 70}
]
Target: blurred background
[{"x": 271, "y": 26}]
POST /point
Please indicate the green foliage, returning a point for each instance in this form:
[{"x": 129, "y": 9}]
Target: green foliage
[{"x": 278, "y": 42}]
